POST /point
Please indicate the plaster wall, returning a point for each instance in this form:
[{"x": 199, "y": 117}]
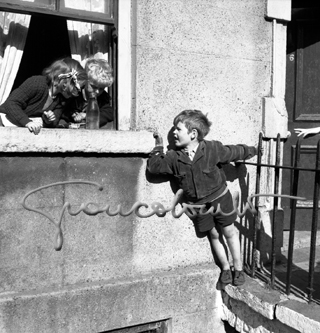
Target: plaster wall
[
  {"x": 209, "y": 55},
  {"x": 214, "y": 56},
  {"x": 112, "y": 271}
]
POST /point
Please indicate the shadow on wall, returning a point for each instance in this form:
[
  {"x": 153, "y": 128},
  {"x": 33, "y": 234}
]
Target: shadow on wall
[{"x": 246, "y": 223}]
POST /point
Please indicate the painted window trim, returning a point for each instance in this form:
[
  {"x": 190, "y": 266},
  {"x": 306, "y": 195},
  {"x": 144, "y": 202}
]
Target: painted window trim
[{"x": 124, "y": 66}]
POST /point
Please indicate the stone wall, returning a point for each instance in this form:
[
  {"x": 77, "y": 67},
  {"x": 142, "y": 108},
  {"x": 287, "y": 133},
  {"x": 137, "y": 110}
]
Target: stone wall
[{"x": 114, "y": 272}]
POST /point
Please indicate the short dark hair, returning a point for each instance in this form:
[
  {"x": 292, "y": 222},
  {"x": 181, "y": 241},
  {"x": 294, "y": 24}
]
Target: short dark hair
[{"x": 194, "y": 119}]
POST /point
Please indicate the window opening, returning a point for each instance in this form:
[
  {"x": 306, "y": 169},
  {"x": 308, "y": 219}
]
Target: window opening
[
  {"x": 61, "y": 28},
  {"x": 47, "y": 32},
  {"x": 154, "y": 327}
]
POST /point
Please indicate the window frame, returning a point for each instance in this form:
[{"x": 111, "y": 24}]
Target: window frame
[
  {"x": 78, "y": 15},
  {"x": 31, "y": 8},
  {"x": 127, "y": 139}
]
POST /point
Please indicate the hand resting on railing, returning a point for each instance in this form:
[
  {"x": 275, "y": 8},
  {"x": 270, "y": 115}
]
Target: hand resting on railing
[{"x": 307, "y": 131}]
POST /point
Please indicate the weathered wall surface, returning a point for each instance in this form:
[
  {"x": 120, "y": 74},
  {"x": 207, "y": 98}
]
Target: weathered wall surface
[
  {"x": 117, "y": 271},
  {"x": 112, "y": 271},
  {"x": 213, "y": 56},
  {"x": 95, "y": 247}
]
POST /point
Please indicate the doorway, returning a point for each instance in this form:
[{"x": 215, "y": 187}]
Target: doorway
[{"x": 303, "y": 103}]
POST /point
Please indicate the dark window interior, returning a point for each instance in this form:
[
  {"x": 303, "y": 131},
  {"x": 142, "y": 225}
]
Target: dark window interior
[{"x": 47, "y": 41}]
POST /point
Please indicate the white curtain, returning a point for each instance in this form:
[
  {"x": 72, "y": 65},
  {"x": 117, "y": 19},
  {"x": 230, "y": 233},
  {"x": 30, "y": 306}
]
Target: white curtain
[
  {"x": 13, "y": 35},
  {"x": 88, "y": 39}
]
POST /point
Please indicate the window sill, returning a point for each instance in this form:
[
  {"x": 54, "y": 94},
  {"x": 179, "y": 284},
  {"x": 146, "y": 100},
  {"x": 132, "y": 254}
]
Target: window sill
[{"x": 13, "y": 140}]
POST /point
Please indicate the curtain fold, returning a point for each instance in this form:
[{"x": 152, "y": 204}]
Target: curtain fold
[
  {"x": 88, "y": 39},
  {"x": 13, "y": 35}
]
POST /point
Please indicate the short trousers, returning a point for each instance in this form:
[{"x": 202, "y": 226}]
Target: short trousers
[{"x": 205, "y": 223}]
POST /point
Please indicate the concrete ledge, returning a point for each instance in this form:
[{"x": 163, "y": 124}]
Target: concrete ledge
[
  {"x": 188, "y": 296},
  {"x": 302, "y": 316},
  {"x": 256, "y": 295},
  {"x": 72, "y": 140},
  {"x": 256, "y": 308}
]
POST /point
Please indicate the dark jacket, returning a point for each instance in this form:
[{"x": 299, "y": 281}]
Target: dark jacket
[
  {"x": 79, "y": 104},
  {"x": 203, "y": 177},
  {"x": 28, "y": 100}
]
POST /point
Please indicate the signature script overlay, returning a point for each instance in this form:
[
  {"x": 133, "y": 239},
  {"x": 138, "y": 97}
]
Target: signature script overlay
[{"x": 157, "y": 208}]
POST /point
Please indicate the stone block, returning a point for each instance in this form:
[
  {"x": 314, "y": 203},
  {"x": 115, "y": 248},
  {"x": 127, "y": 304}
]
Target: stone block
[
  {"x": 19, "y": 139},
  {"x": 303, "y": 317},
  {"x": 253, "y": 293},
  {"x": 280, "y": 10},
  {"x": 275, "y": 117},
  {"x": 119, "y": 303}
]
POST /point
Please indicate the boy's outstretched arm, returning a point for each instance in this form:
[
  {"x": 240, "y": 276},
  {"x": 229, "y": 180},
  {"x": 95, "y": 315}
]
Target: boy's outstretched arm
[
  {"x": 159, "y": 162},
  {"x": 234, "y": 153}
]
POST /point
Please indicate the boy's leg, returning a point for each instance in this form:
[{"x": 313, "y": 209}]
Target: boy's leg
[
  {"x": 220, "y": 252},
  {"x": 232, "y": 238},
  {"x": 230, "y": 232},
  {"x": 219, "y": 249}
]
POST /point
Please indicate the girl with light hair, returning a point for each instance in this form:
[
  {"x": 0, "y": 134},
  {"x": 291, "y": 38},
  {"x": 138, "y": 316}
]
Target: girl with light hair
[{"x": 100, "y": 73}]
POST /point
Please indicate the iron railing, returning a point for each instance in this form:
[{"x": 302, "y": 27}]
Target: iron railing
[{"x": 270, "y": 276}]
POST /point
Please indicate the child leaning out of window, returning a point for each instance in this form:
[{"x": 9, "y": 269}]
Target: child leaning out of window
[{"x": 43, "y": 97}]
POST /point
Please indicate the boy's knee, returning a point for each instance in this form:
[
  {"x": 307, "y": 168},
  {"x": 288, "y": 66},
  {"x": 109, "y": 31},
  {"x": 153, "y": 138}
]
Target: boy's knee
[
  {"x": 230, "y": 231},
  {"x": 214, "y": 233}
]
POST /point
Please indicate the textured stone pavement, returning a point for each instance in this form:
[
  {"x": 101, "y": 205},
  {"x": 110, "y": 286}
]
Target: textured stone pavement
[{"x": 300, "y": 270}]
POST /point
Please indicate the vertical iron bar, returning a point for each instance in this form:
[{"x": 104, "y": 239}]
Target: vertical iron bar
[
  {"x": 275, "y": 210},
  {"x": 256, "y": 218},
  {"x": 293, "y": 214},
  {"x": 314, "y": 224}
]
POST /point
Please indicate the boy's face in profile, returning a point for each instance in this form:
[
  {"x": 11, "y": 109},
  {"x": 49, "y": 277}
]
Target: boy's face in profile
[
  {"x": 182, "y": 138},
  {"x": 98, "y": 91}
]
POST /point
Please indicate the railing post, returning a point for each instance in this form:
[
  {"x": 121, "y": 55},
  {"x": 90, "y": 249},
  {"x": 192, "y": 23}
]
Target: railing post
[
  {"x": 256, "y": 218},
  {"x": 314, "y": 225},
  {"x": 293, "y": 214},
  {"x": 275, "y": 209}
]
